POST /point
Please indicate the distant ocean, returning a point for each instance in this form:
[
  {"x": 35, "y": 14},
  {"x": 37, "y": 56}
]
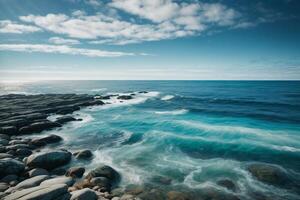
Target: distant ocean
[{"x": 191, "y": 132}]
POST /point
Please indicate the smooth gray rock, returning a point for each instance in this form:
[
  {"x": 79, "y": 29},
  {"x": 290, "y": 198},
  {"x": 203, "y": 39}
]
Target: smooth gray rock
[
  {"x": 9, "y": 178},
  {"x": 8, "y": 130},
  {"x": 4, "y": 136},
  {"x": 37, "y": 172},
  {"x": 84, "y": 194},
  {"x": 76, "y": 172},
  {"x": 5, "y": 155},
  {"x": 39, "y": 193},
  {"x": 3, "y": 187},
  {"x": 59, "y": 180},
  {"x": 28, "y": 183},
  {"x": 38, "y": 127},
  {"x": 49, "y": 160},
  {"x": 101, "y": 181},
  {"x": 19, "y": 146},
  {"x": 10, "y": 166},
  {"x": 83, "y": 154},
  {"x": 105, "y": 171},
  {"x": 47, "y": 139},
  {"x": 23, "y": 152},
  {"x": 3, "y": 142}
]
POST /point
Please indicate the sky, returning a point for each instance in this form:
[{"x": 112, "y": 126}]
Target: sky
[{"x": 149, "y": 40}]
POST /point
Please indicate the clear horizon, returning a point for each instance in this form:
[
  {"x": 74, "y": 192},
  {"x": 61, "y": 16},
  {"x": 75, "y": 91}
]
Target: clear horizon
[{"x": 149, "y": 40}]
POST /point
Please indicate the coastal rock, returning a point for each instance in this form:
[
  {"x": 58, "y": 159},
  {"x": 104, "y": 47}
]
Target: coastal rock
[
  {"x": 59, "y": 180},
  {"x": 76, "y": 172},
  {"x": 10, "y": 166},
  {"x": 104, "y": 171},
  {"x": 23, "y": 152},
  {"x": 84, "y": 194},
  {"x": 175, "y": 195},
  {"x": 101, "y": 181},
  {"x": 228, "y": 184},
  {"x": 3, "y": 187},
  {"x": 3, "y": 142},
  {"x": 8, "y": 130},
  {"x": 64, "y": 119},
  {"x": 39, "y": 193},
  {"x": 38, "y": 127},
  {"x": 47, "y": 139},
  {"x": 37, "y": 172},
  {"x": 125, "y": 97},
  {"x": 13, "y": 142},
  {"x": 59, "y": 171},
  {"x": 19, "y": 146},
  {"x": 83, "y": 154},
  {"x": 9, "y": 178},
  {"x": 4, "y": 136},
  {"x": 28, "y": 183},
  {"x": 49, "y": 160},
  {"x": 5, "y": 155},
  {"x": 268, "y": 174}
]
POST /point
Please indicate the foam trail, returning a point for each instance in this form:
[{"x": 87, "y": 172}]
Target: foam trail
[
  {"x": 167, "y": 97},
  {"x": 173, "y": 112}
]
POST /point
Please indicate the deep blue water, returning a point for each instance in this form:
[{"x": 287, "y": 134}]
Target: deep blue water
[{"x": 192, "y": 132}]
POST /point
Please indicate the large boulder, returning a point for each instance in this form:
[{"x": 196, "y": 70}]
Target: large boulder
[
  {"x": 9, "y": 130},
  {"x": 38, "y": 127},
  {"x": 76, "y": 172},
  {"x": 84, "y": 194},
  {"x": 64, "y": 119},
  {"x": 268, "y": 174},
  {"x": 228, "y": 184},
  {"x": 37, "y": 172},
  {"x": 28, "y": 183},
  {"x": 59, "y": 180},
  {"x": 10, "y": 166},
  {"x": 47, "y": 139},
  {"x": 83, "y": 154},
  {"x": 49, "y": 160},
  {"x": 105, "y": 171},
  {"x": 48, "y": 192}
]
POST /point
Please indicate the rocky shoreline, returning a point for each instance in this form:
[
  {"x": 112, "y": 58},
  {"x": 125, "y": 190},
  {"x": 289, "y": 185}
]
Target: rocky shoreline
[{"x": 29, "y": 171}]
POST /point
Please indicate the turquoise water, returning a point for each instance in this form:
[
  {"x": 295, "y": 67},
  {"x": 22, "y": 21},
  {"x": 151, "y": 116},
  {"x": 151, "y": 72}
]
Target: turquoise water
[{"x": 192, "y": 132}]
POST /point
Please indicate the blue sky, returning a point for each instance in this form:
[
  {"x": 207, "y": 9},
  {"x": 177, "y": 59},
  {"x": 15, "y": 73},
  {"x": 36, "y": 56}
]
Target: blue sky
[{"x": 149, "y": 39}]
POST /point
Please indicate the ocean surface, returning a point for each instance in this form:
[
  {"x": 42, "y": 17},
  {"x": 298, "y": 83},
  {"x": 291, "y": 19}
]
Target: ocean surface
[{"x": 192, "y": 133}]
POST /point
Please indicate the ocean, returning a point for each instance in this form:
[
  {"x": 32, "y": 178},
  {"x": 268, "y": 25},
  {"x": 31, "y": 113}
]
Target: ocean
[{"x": 187, "y": 135}]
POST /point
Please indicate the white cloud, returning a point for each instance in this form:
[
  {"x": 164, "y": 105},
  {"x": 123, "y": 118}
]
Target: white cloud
[
  {"x": 61, "y": 49},
  {"x": 166, "y": 20},
  {"x": 59, "y": 40},
  {"x": 7, "y": 26}
]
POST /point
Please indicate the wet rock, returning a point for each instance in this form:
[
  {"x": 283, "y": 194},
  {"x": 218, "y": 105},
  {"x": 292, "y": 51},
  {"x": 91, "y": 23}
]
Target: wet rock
[
  {"x": 59, "y": 180},
  {"x": 13, "y": 142},
  {"x": 228, "y": 184},
  {"x": 37, "y": 172},
  {"x": 9, "y": 178},
  {"x": 125, "y": 97},
  {"x": 104, "y": 171},
  {"x": 47, "y": 139},
  {"x": 38, "y": 127},
  {"x": 65, "y": 119},
  {"x": 5, "y": 155},
  {"x": 23, "y": 152},
  {"x": 134, "y": 190},
  {"x": 175, "y": 195},
  {"x": 49, "y": 160},
  {"x": 83, "y": 154},
  {"x": 75, "y": 172},
  {"x": 84, "y": 194},
  {"x": 10, "y": 166},
  {"x": 59, "y": 171},
  {"x": 8, "y": 130},
  {"x": 101, "y": 181},
  {"x": 39, "y": 193},
  {"x": 127, "y": 197},
  {"x": 3, "y": 142},
  {"x": 3, "y": 187},
  {"x": 268, "y": 174},
  {"x": 19, "y": 146},
  {"x": 28, "y": 183},
  {"x": 4, "y": 136},
  {"x": 2, "y": 149}
]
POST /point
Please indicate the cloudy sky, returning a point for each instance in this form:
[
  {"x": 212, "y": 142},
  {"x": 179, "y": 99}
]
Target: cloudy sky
[{"x": 149, "y": 39}]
